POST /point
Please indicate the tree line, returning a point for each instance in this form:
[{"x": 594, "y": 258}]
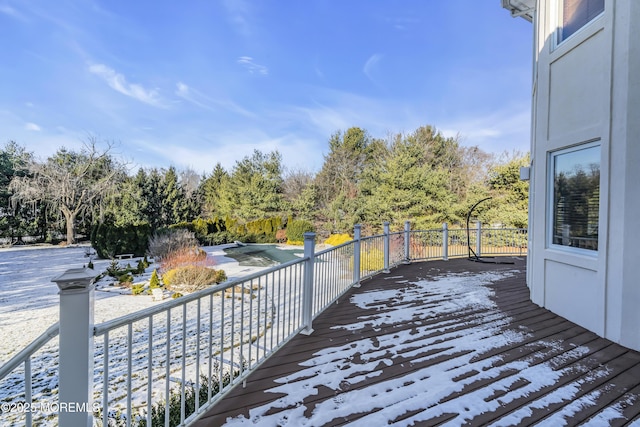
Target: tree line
[{"x": 421, "y": 176}]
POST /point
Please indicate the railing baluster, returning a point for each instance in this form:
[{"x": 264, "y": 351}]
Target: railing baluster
[
  {"x": 167, "y": 385},
  {"x": 257, "y": 321},
  {"x": 221, "y": 365},
  {"x": 27, "y": 389},
  {"x": 242, "y": 338},
  {"x": 105, "y": 381},
  {"x": 149, "y": 370},
  {"x": 183, "y": 376},
  {"x": 233, "y": 330},
  {"x": 129, "y": 370},
  {"x": 197, "y": 396},
  {"x": 210, "y": 349}
]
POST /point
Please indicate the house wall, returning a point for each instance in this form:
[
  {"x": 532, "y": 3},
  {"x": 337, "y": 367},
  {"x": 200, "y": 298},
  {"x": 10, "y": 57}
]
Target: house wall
[{"x": 587, "y": 89}]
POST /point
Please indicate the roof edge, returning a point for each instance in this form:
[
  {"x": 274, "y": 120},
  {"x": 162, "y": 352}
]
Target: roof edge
[{"x": 520, "y": 8}]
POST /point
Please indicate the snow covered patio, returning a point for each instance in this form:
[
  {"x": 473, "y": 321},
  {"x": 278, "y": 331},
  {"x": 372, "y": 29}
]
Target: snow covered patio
[{"x": 441, "y": 342}]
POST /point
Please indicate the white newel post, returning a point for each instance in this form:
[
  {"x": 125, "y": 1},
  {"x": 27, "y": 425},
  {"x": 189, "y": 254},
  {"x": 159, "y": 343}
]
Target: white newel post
[
  {"x": 385, "y": 226},
  {"x": 76, "y": 347},
  {"x": 307, "y": 296},
  {"x": 445, "y": 241},
  {"x": 356, "y": 254},
  {"x": 407, "y": 237},
  {"x": 479, "y": 239}
]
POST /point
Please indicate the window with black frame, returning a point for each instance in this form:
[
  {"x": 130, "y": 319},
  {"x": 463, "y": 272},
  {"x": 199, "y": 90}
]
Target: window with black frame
[{"x": 576, "y": 197}]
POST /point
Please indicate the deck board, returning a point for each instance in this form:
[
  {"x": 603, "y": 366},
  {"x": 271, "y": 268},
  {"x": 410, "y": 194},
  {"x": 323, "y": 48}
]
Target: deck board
[{"x": 497, "y": 385}]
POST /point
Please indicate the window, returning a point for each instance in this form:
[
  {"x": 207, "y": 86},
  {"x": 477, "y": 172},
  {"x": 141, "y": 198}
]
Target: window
[
  {"x": 576, "y": 197},
  {"x": 576, "y": 14}
]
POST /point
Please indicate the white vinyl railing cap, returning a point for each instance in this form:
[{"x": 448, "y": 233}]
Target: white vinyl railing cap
[{"x": 75, "y": 278}]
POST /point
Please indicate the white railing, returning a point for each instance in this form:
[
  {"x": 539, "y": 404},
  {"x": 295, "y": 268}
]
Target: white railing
[{"x": 167, "y": 364}]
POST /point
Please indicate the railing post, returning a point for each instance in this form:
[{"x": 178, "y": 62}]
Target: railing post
[
  {"x": 445, "y": 242},
  {"x": 479, "y": 239},
  {"x": 385, "y": 226},
  {"x": 407, "y": 241},
  {"x": 356, "y": 255},
  {"x": 76, "y": 347},
  {"x": 307, "y": 292}
]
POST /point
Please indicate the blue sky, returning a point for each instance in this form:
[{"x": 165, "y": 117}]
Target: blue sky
[{"x": 195, "y": 82}]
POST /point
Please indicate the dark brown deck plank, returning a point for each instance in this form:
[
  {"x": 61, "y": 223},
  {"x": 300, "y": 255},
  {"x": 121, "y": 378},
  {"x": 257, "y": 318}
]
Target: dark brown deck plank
[{"x": 592, "y": 365}]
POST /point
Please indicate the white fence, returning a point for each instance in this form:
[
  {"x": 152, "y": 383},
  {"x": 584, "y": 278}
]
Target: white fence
[{"x": 167, "y": 364}]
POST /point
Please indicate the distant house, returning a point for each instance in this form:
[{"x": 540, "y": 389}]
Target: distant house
[{"x": 584, "y": 253}]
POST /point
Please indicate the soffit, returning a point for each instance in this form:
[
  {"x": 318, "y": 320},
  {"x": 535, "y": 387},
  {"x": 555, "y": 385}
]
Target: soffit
[{"x": 520, "y": 8}]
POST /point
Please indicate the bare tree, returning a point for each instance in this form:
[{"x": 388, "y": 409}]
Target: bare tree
[{"x": 71, "y": 182}]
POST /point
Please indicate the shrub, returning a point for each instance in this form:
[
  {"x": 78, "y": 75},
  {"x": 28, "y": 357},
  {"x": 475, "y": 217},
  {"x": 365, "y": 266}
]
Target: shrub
[
  {"x": 166, "y": 242},
  {"x": 125, "y": 278},
  {"x": 185, "y": 256},
  {"x": 109, "y": 239},
  {"x": 142, "y": 266},
  {"x": 137, "y": 289},
  {"x": 296, "y": 230},
  {"x": 154, "y": 282},
  {"x": 338, "y": 239},
  {"x": 191, "y": 278},
  {"x": 371, "y": 260}
]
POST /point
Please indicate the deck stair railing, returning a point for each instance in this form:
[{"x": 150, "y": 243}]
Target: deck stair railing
[{"x": 167, "y": 364}]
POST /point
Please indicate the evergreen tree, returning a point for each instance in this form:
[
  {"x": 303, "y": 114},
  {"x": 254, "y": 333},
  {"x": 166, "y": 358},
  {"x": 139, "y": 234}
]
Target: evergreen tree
[
  {"x": 175, "y": 206},
  {"x": 152, "y": 194},
  {"x": 338, "y": 182},
  {"x": 16, "y": 218},
  {"x": 510, "y": 194},
  {"x": 209, "y": 191},
  {"x": 254, "y": 188}
]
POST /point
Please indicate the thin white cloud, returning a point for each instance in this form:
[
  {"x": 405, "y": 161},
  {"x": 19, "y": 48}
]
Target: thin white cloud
[
  {"x": 402, "y": 24},
  {"x": 238, "y": 12},
  {"x": 32, "y": 127},
  {"x": 119, "y": 83},
  {"x": 253, "y": 67},
  {"x": 13, "y": 13},
  {"x": 205, "y": 102},
  {"x": 371, "y": 64},
  {"x": 503, "y": 130}
]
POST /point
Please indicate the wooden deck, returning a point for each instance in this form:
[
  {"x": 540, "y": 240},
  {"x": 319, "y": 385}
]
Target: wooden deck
[{"x": 440, "y": 343}]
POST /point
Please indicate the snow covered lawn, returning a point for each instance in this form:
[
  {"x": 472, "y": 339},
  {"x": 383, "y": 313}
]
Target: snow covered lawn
[
  {"x": 29, "y": 299},
  {"x": 29, "y": 305}
]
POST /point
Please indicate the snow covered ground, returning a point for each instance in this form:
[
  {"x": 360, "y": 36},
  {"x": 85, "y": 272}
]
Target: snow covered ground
[
  {"x": 29, "y": 300},
  {"x": 29, "y": 303}
]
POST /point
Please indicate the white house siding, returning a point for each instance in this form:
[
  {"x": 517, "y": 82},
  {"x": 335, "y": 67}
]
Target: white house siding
[
  {"x": 588, "y": 89},
  {"x": 623, "y": 266}
]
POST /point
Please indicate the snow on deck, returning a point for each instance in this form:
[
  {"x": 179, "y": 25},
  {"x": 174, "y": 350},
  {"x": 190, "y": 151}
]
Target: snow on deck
[{"x": 451, "y": 343}]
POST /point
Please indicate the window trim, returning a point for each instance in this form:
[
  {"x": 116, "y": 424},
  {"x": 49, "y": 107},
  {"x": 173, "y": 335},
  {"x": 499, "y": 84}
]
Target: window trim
[
  {"x": 557, "y": 18},
  {"x": 551, "y": 155}
]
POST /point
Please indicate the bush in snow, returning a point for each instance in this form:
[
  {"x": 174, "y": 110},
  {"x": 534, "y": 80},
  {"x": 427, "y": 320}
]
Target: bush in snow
[
  {"x": 191, "y": 278},
  {"x": 161, "y": 244},
  {"x": 154, "y": 282}
]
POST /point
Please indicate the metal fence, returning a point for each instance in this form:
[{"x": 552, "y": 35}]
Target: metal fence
[{"x": 187, "y": 352}]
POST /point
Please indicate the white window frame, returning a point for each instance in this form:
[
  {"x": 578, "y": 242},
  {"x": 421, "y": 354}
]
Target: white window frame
[
  {"x": 551, "y": 156},
  {"x": 557, "y": 18}
]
